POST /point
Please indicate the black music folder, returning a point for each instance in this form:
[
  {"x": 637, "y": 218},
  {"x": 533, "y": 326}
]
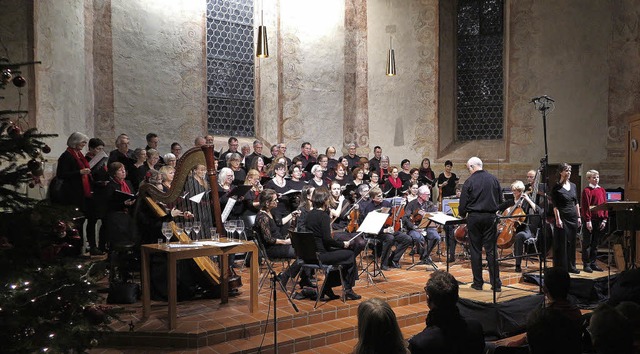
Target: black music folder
[
  {"x": 239, "y": 191},
  {"x": 122, "y": 197}
]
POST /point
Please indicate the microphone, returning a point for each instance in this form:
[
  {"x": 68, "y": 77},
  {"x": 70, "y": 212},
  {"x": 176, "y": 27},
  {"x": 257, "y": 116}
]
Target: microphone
[
  {"x": 537, "y": 99},
  {"x": 547, "y": 98},
  {"x": 534, "y": 100}
]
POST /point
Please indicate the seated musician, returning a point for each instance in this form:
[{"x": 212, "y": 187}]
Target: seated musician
[
  {"x": 276, "y": 246},
  {"x": 331, "y": 251},
  {"x": 388, "y": 236},
  {"x": 414, "y": 211},
  {"x": 304, "y": 208},
  {"x": 341, "y": 212},
  {"x": 527, "y": 229}
]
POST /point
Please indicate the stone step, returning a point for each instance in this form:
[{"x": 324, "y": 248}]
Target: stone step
[{"x": 339, "y": 332}]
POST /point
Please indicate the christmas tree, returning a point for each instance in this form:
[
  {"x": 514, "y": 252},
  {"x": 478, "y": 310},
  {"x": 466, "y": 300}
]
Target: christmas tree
[{"x": 48, "y": 295}]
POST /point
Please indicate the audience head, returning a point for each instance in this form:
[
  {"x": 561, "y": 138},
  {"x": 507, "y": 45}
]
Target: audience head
[
  {"x": 122, "y": 143},
  {"x": 330, "y": 152},
  {"x": 306, "y": 148},
  {"x": 448, "y": 163},
  {"x": 377, "y": 152},
  {"x": 378, "y": 329},
  {"x": 115, "y": 170},
  {"x": 257, "y": 147},
  {"x": 209, "y": 139},
  {"x": 442, "y": 291},
  {"x": 245, "y": 149},
  {"x": 167, "y": 173},
  {"x": 549, "y": 331},
  {"x": 152, "y": 157},
  {"x": 252, "y": 176},
  {"x": 77, "y": 141},
  {"x": 233, "y": 144},
  {"x": 314, "y": 152},
  {"x": 307, "y": 192},
  {"x": 405, "y": 164},
  {"x": 556, "y": 283},
  {"x": 153, "y": 177},
  {"x": 611, "y": 332},
  {"x": 426, "y": 163},
  {"x": 140, "y": 154},
  {"x": 199, "y": 141},
  {"x": 384, "y": 161}
]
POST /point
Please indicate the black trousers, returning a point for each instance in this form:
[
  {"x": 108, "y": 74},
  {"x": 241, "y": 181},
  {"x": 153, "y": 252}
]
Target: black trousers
[
  {"x": 590, "y": 241},
  {"x": 347, "y": 259},
  {"x": 357, "y": 245},
  {"x": 518, "y": 246},
  {"x": 483, "y": 234}
]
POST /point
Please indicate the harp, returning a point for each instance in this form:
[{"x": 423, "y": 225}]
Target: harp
[{"x": 206, "y": 209}]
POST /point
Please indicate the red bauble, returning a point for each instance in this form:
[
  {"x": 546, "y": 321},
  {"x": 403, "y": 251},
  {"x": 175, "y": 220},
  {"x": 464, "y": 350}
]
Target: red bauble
[
  {"x": 33, "y": 165},
  {"x": 46, "y": 149},
  {"x": 19, "y": 81},
  {"x": 14, "y": 131},
  {"x": 32, "y": 184}
]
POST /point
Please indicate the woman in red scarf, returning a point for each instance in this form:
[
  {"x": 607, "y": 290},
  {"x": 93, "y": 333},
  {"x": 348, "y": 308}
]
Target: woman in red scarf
[
  {"x": 73, "y": 169},
  {"x": 120, "y": 201},
  {"x": 393, "y": 185}
]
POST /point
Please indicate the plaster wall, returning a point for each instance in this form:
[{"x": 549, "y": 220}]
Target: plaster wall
[
  {"x": 159, "y": 70},
  {"x": 62, "y": 96}
]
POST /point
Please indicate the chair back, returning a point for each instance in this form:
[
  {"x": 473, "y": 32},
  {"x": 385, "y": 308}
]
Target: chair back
[{"x": 304, "y": 245}]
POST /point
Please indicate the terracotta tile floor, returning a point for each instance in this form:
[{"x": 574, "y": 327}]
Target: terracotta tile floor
[{"x": 209, "y": 316}]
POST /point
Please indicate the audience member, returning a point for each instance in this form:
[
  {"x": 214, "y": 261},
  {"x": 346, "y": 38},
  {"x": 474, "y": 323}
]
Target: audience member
[
  {"x": 378, "y": 330},
  {"x": 611, "y": 332},
  {"x": 447, "y": 331}
]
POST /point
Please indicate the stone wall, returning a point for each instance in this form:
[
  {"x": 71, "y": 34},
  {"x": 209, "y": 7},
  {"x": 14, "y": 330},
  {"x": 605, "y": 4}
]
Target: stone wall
[{"x": 139, "y": 67}]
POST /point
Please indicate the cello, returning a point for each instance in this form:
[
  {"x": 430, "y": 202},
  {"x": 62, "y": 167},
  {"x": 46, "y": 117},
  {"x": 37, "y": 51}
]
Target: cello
[{"x": 507, "y": 226}]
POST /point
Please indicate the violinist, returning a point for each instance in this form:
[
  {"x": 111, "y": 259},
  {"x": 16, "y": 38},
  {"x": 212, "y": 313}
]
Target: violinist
[
  {"x": 527, "y": 229},
  {"x": 413, "y": 214},
  {"x": 388, "y": 236},
  {"x": 342, "y": 211}
]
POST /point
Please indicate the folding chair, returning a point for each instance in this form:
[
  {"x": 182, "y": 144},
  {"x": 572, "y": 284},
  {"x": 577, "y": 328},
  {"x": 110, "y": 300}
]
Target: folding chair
[
  {"x": 263, "y": 254},
  {"x": 304, "y": 245}
]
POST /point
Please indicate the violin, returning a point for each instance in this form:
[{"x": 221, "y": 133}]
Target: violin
[
  {"x": 507, "y": 226},
  {"x": 354, "y": 215}
]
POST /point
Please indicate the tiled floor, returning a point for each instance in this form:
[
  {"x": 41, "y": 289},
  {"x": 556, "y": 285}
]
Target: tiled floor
[{"x": 202, "y": 322}]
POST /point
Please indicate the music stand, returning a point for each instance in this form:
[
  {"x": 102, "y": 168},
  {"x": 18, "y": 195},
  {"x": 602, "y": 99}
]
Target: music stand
[
  {"x": 446, "y": 220},
  {"x": 372, "y": 224},
  {"x": 628, "y": 219}
]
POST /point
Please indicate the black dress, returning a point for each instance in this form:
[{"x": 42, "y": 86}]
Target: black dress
[
  {"x": 564, "y": 239},
  {"x": 450, "y": 188}
]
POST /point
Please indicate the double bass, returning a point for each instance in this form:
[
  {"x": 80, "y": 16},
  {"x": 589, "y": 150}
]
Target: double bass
[
  {"x": 507, "y": 226},
  {"x": 154, "y": 197}
]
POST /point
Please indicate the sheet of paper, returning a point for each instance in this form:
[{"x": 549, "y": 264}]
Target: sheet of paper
[{"x": 373, "y": 223}]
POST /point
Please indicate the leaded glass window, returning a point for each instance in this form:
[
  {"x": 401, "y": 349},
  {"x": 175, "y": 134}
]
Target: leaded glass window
[
  {"x": 479, "y": 69},
  {"x": 230, "y": 78}
]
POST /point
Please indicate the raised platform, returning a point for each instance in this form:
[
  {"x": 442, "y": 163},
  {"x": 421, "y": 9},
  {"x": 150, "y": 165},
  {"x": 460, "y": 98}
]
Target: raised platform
[{"x": 208, "y": 326}]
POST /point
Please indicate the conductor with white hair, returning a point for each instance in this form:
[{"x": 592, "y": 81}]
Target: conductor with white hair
[{"x": 481, "y": 195}]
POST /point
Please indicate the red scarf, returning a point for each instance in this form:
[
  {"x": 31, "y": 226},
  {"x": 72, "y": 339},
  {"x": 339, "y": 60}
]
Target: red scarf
[
  {"x": 82, "y": 163},
  {"x": 124, "y": 187},
  {"x": 395, "y": 182}
]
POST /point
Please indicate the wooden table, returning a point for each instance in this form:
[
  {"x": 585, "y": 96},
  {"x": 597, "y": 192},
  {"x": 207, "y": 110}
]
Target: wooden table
[{"x": 175, "y": 254}]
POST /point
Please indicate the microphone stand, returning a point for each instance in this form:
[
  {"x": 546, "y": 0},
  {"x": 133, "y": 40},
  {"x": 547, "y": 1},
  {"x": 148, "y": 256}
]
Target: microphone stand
[
  {"x": 274, "y": 281},
  {"x": 543, "y": 104}
]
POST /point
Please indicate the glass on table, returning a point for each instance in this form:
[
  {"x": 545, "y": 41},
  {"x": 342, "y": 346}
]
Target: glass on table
[
  {"x": 188, "y": 226},
  {"x": 167, "y": 232},
  {"x": 214, "y": 234},
  {"x": 230, "y": 226},
  {"x": 196, "y": 229}
]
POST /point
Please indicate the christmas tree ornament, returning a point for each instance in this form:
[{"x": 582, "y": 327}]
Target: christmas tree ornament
[
  {"x": 46, "y": 149},
  {"x": 6, "y": 76},
  {"x": 14, "y": 131}
]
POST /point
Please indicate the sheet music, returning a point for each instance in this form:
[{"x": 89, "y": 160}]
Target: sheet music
[
  {"x": 198, "y": 197},
  {"x": 99, "y": 156},
  {"x": 227, "y": 209},
  {"x": 291, "y": 191},
  {"x": 373, "y": 223},
  {"x": 444, "y": 219}
]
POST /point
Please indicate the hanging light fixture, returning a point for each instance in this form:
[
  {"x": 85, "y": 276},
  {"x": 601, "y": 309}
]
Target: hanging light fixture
[
  {"x": 391, "y": 60},
  {"x": 262, "y": 46}
]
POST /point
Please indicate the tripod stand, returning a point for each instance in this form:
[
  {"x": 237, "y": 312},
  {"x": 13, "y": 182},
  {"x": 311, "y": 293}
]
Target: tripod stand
[{"x": 274, "y": 281}]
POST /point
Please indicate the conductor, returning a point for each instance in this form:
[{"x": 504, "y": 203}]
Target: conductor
[{"x": 479, "y": 201}]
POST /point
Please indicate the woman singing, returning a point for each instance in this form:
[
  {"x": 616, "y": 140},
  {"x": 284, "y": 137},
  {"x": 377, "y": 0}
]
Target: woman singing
[{"x": 567, "y": 213}]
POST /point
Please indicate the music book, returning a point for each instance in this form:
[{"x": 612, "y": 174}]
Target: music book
[
  {"x": 96, "y": 159},
  {"x": 122, "y": 197},
  {"x": 227, "y": 209},
  {"x": 373, "y": 223}
]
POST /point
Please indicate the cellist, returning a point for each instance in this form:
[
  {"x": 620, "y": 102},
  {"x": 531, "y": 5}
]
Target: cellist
[{"x": 527, "y": 229}]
